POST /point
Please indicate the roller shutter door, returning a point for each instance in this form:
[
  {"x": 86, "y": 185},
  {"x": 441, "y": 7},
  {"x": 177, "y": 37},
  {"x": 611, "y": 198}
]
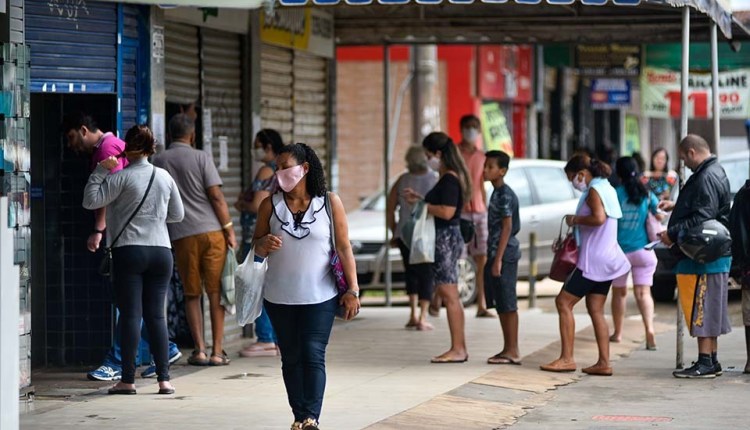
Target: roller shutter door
[
  {"x": 72, "y": 54},
  {"x": 182, "y": 63},
  {"x": 311, "y": 103},
  {"x": 276, "y": 90},
  {"x": 129, "y": 104}
]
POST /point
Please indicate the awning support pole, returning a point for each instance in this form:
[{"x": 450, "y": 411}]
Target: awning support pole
[
  {"x": 683, "y": 132},
  {"x": 715, "y": 85},
  {"x": 386, "y": 165}
]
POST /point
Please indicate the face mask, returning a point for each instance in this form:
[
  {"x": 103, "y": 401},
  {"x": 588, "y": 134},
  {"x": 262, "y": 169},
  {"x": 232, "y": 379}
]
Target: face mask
[
  {"x": 289, "y": 178},
  {"x": 470, "y": 134},
  {"x": 434, "y": 163},
  {"x": 579, "y": 184},
  {"x": 259, "y": 154}
]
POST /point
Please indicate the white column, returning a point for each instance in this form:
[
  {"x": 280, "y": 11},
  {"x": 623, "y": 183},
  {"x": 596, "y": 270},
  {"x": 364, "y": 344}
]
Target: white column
[
  {"x": 9, "y": 315},
  {"x": 715, "y": 85}
]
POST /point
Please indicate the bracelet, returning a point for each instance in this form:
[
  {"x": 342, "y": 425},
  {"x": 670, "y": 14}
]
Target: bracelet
[{"x": 227, "y": 225}]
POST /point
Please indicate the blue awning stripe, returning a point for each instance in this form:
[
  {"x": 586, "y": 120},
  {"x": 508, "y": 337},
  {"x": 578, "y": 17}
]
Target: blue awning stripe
[{"x": 464, "y": 2}]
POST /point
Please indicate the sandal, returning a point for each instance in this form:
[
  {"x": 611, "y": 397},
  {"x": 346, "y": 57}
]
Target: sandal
[
  {"x": 223, "y": 359},
  {"x": 195, "y": 360}
]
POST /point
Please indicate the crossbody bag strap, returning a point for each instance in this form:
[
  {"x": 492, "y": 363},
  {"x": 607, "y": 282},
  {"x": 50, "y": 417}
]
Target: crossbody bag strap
[{"x": 150, "y": 182}]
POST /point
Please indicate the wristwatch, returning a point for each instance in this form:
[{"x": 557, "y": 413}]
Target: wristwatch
[{"x": 354, "y": 293}]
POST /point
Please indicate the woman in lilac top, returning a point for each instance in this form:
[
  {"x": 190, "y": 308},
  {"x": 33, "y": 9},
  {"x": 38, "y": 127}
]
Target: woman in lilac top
[{"x": 600, "y": 260}]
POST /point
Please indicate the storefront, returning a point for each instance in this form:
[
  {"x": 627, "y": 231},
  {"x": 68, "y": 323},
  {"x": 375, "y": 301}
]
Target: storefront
[
  {"x": 91, "y": 57},
  {"x": 204, "y": 74}
]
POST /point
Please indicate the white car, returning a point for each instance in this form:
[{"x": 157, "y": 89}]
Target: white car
[{"x": 544, "y": 193}]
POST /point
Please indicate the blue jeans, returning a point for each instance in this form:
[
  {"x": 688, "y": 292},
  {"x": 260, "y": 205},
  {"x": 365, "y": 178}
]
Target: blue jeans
[
  {"x": 263, "y": 328},
  {"x": 303, "y": 332}
]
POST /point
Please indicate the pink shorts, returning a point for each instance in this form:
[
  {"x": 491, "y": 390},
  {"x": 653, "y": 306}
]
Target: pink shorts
[{"x": 643, "y": 264}]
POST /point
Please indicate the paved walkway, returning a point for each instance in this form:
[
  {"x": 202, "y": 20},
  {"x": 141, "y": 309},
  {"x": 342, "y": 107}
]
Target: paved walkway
[{"x": 380, "y": 378}]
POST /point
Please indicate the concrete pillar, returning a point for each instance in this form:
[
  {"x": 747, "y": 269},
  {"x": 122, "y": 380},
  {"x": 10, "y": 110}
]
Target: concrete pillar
[
  {"x": 425, "y": 105},
  {"x": 9, "y": 315}
]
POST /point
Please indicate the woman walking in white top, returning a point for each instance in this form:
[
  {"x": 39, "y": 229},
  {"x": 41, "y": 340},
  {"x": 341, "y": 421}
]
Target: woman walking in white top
[{"x": 293, "y": 232}]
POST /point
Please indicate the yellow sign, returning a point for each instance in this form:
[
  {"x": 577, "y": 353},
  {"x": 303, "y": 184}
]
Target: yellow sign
[
  {"x": 303, "y": 29},
  {"x": 495, "y": 129}
]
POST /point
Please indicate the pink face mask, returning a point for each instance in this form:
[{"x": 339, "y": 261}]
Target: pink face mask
[{"x": 289, "y": 178}]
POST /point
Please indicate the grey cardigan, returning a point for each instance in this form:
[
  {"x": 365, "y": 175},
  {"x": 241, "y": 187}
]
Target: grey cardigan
[{"x": 121, "y": 193}]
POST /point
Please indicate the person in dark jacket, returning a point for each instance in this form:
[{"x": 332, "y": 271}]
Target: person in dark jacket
[
  {"x": 739, "y": 227},
  {"x": 703, "y": 288}
]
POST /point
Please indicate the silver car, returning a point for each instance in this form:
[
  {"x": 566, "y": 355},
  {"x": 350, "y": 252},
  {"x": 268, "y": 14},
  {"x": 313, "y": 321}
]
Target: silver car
[{"x": 544, "y": 194}]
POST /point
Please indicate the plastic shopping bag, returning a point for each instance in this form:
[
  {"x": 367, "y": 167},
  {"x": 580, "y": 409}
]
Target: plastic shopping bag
[
  {"x": 249, "y": 279},
  {"x": 227, "y": 282},
  {"x": 422, "y": 248}
]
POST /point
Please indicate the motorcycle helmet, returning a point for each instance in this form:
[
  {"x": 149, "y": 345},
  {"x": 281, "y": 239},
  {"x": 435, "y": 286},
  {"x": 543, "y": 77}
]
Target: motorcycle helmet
[{"x": 705, "y": 242}]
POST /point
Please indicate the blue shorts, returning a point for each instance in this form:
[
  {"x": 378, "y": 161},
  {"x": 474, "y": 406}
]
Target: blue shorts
[{"x": 500, "y": 292}]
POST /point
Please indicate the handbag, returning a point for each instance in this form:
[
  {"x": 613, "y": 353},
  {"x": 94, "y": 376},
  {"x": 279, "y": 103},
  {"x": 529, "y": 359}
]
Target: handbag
[
  {"x": 422, "y": 246},
  {"x": 566, "y": 255},
  {"x": 335, "y": 262},
  {"x": 654, "y": 227},
  {"x": 105, "y": 267},
  {"x": 468, "y": 230},
  {"x": 228, "y": 292},
  {"x": 248, "y": 280}
]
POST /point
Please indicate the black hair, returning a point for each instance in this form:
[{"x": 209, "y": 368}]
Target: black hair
[
  {"x": 316, "y": 178},
  {"x": 270, "y": 137},
  {"x": 630, "y": 178},
  {"x": 598, "y": 168},
  {"x": 140, "y": 139},
  {"x": 76, "y": 120},
  {"x": 654, "y": 154},
  {"x": 181, "y": 125},
  {"x": 501, "y": 158},
  {"x": 466, "y": 120},
  {"x": 452, "y": 160},
  {"x": 639, "y": 161}
]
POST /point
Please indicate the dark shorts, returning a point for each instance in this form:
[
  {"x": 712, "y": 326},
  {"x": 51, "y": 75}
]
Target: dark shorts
[
  {"x": 579, "y": 286},
  {"x": 500, "y": 292},
  {"x": 418, "y": 276},
  {"x": 448, "y": 248}
]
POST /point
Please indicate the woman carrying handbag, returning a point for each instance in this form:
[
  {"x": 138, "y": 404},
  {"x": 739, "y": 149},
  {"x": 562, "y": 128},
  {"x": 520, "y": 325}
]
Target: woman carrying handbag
[{"x": 600, "y": 260}]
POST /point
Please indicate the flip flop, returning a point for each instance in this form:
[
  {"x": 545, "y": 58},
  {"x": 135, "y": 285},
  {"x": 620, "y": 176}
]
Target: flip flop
[
  {"x": 193, "y": 360},
  {"x": 502, "y": 359},
  {"x": 411, "y": 324},
  {"x": 485, "y": 314},
  {"x": 651, "y": 348},
  {"x": 425, "y": 326},
  {"x": 166, "y": 391},
  {"x": 223, "y": 359},
  {"x": 125, "y": 391},
  {"x": 613, "y": 339},
  {"x": 558, "y": 369},
  {"x": 433, "y": 311},
  {"x": 597, "y": 371},
  {"x": 445, "y": 360}
]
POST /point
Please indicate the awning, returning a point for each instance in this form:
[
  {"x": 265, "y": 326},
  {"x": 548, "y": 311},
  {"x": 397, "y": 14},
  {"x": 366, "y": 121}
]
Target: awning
[{"x": 234, "y": 4}]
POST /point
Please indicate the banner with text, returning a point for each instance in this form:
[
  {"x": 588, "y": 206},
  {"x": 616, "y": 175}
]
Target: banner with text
[{"x": 660, "y": 94}]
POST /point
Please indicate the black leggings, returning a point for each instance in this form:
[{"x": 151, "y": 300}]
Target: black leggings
[
  {"x": 419, "y": 278},
  {"x": 141, "y": 278}
]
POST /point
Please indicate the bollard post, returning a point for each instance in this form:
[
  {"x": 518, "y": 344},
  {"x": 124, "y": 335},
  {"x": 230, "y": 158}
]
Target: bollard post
[{"x": 533, "y": 270}]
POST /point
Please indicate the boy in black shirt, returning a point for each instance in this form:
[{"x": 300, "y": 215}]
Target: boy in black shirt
[{"x": 503, "y": 251}]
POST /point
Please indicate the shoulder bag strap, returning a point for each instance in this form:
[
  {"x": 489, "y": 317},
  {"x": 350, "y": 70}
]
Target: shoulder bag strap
[
  {"x": 329, "y": 211},
  {"x": 150, "y": 182}
]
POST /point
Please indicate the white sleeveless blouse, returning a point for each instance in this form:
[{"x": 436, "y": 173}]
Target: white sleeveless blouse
[{"x": 299, "y": 272}]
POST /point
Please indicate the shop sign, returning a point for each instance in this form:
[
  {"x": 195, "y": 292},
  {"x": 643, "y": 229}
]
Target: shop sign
[
  {"x": 495, "y": 130},
  {"x": 610, "y": 93},
  {"x": 505, "y": 72},
  {"x": 661, "y": 98},
  {"x": 309, "y": 30},
  {"x": 612, "y": 59}
]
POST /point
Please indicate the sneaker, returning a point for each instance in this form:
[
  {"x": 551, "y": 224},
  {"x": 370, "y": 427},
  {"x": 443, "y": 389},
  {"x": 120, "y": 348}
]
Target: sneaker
[
  {"x": 696, "y": 371},
  {"x": 105, "y": 372},
  {"x": 174, "y": 355},
  {"x": 717, "y": 369}
]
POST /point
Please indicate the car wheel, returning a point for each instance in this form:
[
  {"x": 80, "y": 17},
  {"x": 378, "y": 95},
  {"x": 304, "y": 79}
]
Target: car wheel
[
  {"x": 664, "y": 288},
  {"x": 467, "y": 281}
]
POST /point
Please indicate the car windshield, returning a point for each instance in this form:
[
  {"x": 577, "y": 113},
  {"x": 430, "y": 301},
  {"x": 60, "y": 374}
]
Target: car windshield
[{"x": 737, "y": 172}]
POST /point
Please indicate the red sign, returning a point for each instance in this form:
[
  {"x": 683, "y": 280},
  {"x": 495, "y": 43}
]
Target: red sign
[{"x": 505, "y": 73}]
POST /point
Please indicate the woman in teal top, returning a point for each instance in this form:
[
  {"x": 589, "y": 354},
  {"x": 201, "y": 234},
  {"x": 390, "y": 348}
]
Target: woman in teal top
[{"x": 636, "y": 202}]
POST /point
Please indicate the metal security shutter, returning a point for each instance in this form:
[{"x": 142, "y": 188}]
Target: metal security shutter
[
  {"x": 311, "y": 103},
  {"x": 276, "y": 90},
  {"x": 73, "y": 46},
  {"x": 221, "y": 69},
  {"x": 130, "y": 81},
  {"x": 182, "y": 62}
]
